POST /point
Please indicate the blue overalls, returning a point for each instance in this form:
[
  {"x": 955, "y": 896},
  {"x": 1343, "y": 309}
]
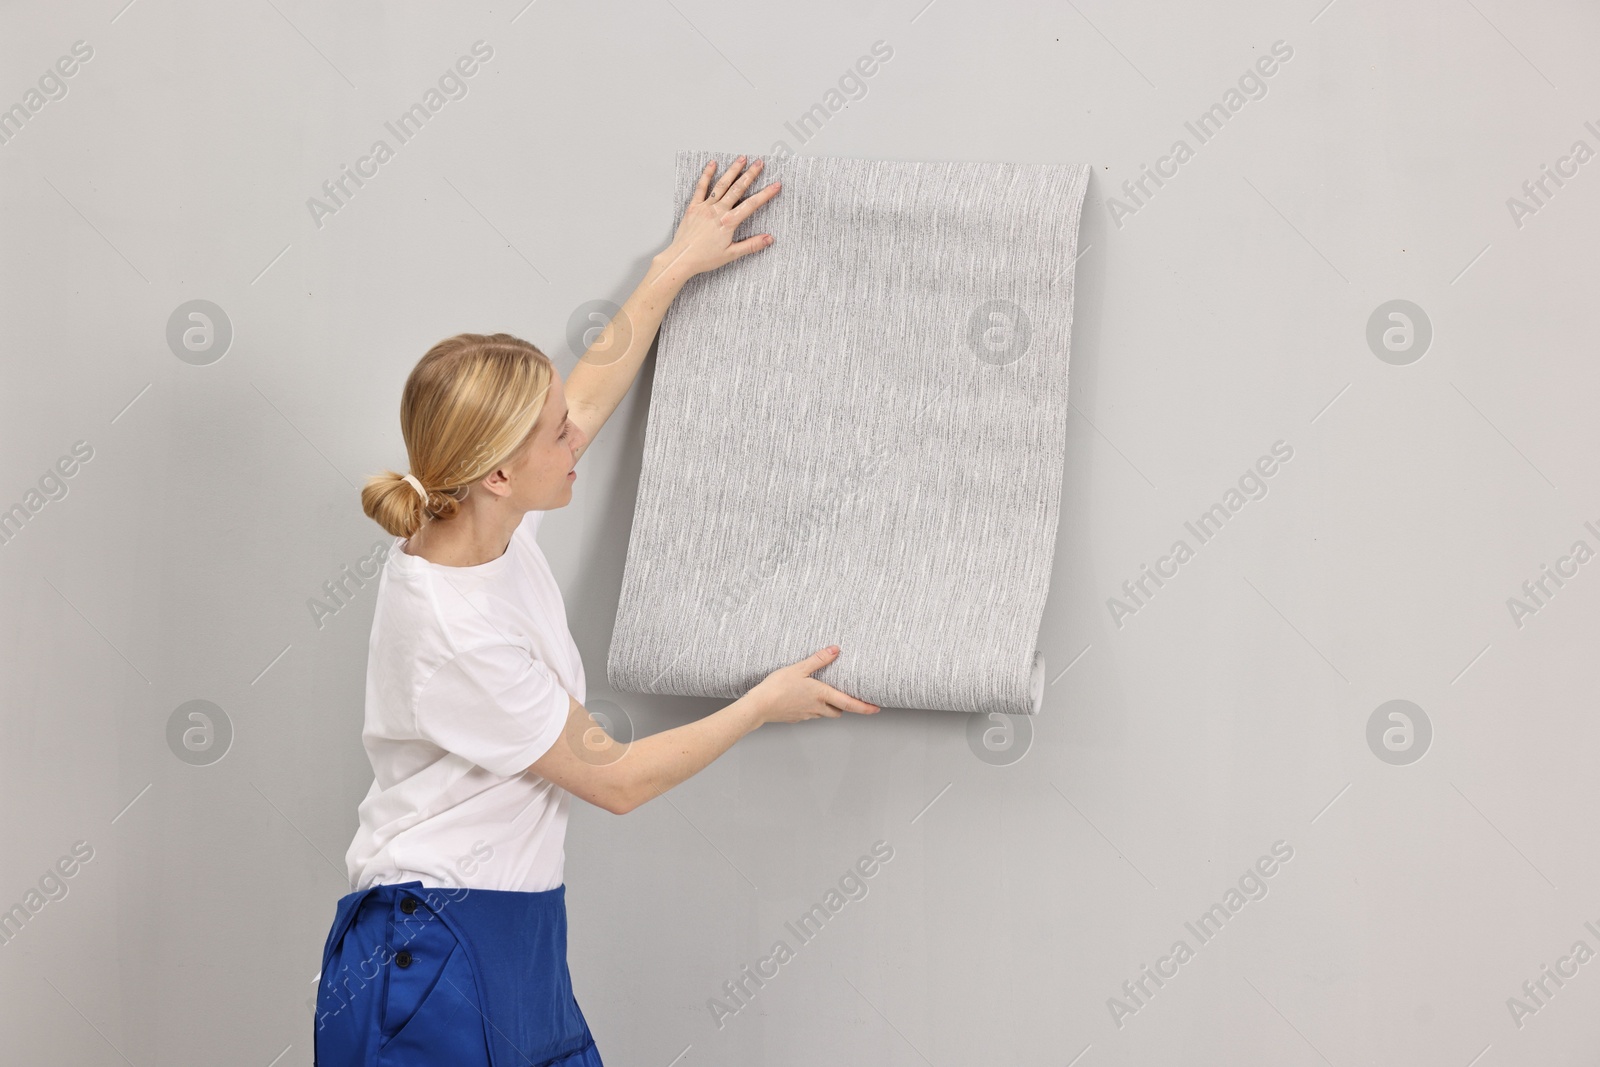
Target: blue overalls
[{"x": 460, "y": 977}]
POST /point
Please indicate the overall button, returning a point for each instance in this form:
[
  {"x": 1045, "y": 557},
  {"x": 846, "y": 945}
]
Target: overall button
[
  {"x": 402, "y": 958},
  {"x": 408, "y": 905}
]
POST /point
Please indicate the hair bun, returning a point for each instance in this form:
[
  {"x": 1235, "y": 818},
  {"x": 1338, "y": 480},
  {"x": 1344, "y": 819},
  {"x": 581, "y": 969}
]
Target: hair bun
[
  {"x": 467, "y": 405},
  {"x": 416, "y": 484}
]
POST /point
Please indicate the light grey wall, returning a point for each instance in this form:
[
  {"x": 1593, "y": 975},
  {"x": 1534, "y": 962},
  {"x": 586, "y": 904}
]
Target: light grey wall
[{"x": 1228, "y": 312}]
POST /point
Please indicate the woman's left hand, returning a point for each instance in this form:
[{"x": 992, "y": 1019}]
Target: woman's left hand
[{"x": 704, "y": 240}]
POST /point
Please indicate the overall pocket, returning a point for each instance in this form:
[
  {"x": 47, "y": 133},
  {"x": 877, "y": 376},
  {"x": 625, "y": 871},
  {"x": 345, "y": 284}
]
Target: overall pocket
[{"x": 430, "y": 1012}]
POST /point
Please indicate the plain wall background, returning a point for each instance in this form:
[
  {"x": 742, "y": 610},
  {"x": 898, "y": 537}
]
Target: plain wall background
[{"x": 1231, "y": 712}]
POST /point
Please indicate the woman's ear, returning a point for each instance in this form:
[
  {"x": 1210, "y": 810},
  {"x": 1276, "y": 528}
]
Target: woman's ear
[{"x": 496, "y": 482}]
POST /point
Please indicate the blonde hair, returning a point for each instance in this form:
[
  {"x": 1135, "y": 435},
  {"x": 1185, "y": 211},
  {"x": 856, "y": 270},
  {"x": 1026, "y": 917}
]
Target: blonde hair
[{"x": 467, "y": 406}]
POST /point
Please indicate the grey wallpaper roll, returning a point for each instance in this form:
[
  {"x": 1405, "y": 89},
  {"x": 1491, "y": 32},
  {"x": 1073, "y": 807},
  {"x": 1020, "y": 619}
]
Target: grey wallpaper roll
[{"x": 857, "y": 436}]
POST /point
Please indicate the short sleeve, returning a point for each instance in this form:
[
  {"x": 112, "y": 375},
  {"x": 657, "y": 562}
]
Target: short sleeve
[{"x": 495, "y": 705}]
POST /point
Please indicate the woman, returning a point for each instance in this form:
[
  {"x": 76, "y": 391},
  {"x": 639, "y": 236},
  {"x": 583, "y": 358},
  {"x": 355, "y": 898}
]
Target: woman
[{"x": 452, "y": 949}]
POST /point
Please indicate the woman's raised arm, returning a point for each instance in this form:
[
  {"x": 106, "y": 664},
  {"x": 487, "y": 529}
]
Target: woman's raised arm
[{"x": 703, "y": 241}]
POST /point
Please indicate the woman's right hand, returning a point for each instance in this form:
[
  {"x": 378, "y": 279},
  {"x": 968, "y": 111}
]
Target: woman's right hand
[
  {"x": 704, "y": 239},
  {"x": 790, "y": 694}
]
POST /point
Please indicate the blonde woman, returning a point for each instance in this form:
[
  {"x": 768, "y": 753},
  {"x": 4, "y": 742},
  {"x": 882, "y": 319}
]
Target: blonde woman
[{"x": 452, "y": 947}]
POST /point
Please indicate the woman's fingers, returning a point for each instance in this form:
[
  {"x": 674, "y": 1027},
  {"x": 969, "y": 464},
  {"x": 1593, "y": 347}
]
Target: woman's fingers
[
  {"x": 739, "y": 187},
  {"x": 732, "y": 220},
  {"x": 832, "y": 701},
  {"x": 822, "y": 656},
  {"x": 845, "y": 701},
  {"x": 747, "y": 207},
  {"x": 728, "y": 195},
  {"x": 715, "y": 210},
  {"x": 705, "y": 180},
  {"x": 726, "y": 180},
  {"x": 748, "y": 245}
]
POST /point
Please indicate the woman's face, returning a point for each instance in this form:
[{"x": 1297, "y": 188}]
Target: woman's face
[{"x": 542, "y": 471}]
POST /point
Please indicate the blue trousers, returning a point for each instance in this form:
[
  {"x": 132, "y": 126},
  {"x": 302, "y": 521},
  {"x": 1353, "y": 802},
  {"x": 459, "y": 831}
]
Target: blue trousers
[{"x": 458, "y": 977}]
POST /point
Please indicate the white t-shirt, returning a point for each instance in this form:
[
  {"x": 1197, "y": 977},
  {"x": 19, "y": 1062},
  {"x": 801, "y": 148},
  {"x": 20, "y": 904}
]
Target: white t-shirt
[{"x": 468, "y": 672}]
